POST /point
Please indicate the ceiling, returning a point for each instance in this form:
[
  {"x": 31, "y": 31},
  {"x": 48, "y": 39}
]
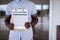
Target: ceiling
[{"x": 35, "y": 1}]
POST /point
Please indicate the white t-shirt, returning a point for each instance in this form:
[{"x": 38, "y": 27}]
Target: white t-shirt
[{"x": 24, "y": 5}]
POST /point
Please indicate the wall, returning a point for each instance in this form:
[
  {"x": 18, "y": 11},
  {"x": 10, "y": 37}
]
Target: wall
[
  {"x": 35, "y": 1},
  {"x": 54, "y": 18}
]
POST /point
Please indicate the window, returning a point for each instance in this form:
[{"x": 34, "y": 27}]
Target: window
[{"x": 38, "y": 7}]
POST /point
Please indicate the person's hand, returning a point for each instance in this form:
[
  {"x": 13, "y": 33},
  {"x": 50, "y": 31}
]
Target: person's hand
[
  {"x": 27, "y": 25},
  {"x": 11, "y": 26}
]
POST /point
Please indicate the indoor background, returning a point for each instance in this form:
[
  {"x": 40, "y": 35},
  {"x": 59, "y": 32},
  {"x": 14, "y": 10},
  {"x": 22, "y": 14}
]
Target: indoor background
[{"x": 41, "y": 28}]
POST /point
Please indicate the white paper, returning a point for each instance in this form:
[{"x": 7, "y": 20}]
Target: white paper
[{"x": 19, "y": 17}]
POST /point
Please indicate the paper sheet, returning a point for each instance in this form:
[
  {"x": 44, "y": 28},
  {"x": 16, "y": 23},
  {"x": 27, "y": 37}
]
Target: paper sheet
[{"x": 19, "y": 17}]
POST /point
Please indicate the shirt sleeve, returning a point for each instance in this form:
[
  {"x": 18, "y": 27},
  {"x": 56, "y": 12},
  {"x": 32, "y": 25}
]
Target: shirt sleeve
[
  {"x": 8, "y": 13},
  {"x": 34, "y": 11}
]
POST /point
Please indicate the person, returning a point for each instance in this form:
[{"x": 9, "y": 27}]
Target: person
[{"x": 21, "y": 35}]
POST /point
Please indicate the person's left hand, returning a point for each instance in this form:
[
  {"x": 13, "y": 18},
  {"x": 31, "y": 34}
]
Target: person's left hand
[{"x": 27, "y": 25}]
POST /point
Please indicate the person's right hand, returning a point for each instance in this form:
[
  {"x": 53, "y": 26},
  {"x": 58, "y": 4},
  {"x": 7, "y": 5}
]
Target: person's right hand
[{"x": 11, "y": 26}]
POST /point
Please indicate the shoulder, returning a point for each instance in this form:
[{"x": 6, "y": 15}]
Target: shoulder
[
  {"x": 31, "y": 3},
  {"x": 10, "y": 4}
]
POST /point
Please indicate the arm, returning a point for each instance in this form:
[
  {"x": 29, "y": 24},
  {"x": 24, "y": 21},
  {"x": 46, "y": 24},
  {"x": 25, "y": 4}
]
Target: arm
[
  {"x": 7, "y": 22},
  {"x": 34, "y": 20}
]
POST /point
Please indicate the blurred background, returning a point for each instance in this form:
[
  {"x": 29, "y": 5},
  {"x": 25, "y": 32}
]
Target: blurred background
[{"x": 41, "y": 28}]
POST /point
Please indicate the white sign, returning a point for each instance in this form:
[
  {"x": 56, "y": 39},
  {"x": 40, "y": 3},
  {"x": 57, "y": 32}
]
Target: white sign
[{"x": 19, "y": 17}]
